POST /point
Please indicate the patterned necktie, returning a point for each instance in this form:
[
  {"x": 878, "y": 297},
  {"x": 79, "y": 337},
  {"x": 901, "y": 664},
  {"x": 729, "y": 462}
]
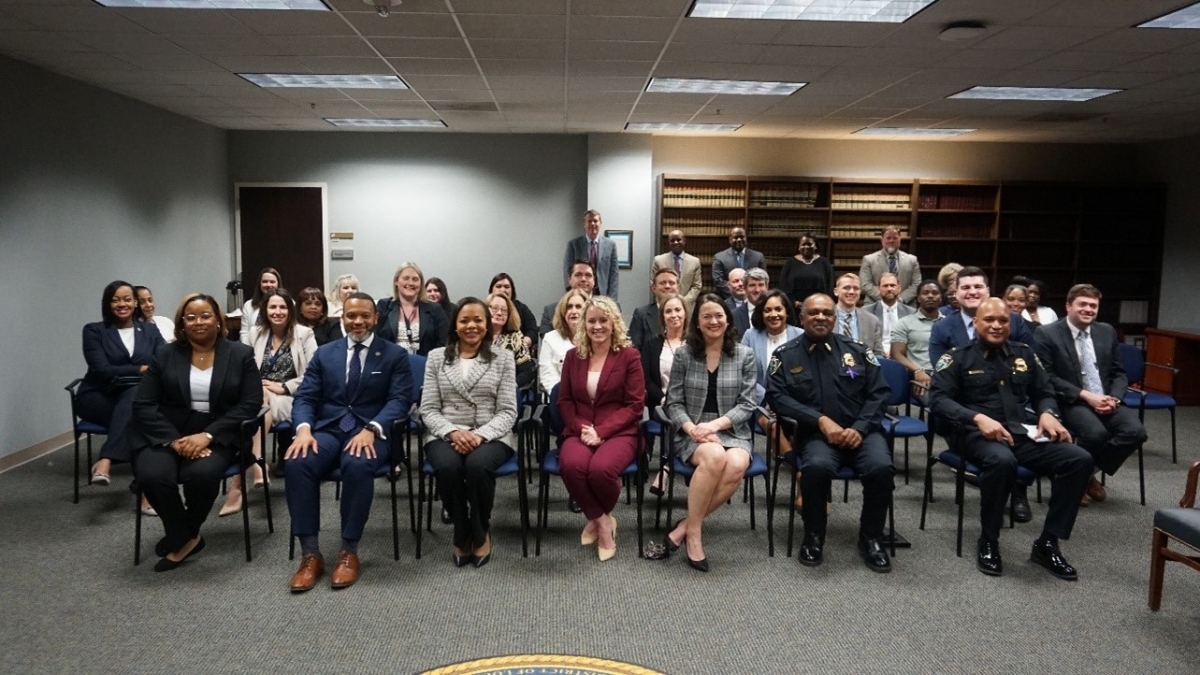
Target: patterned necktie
[
  {"x": 1087, "y": 358},
  {"x": 593, "y": 256},
  {"x": 353, "y": 375},
  {"x": 678, "y": 266},
  {"x": 892, "y": 264},
  {"x": 741, "y": 258},
  {"x": 846, "y": 327}
]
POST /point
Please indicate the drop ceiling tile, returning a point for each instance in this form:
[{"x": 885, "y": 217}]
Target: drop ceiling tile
[
  {"x": 518, "y": 49},
  {"x": 664, "y": 8},
  {"x": 239, "y": 63},
  {"x": 171, "y": 62},
  {"x": 531, "y": 116},
  {"x": 153, "y": 90},
  {"x": 992, "y": 59},
  {"x": 620, "y": 28},
  {"x": 1168, "y": 64},
  {"x": 644, "y": 108},
  {"x": 314, "y": 45},
  {"x": 533, "y": 7},
  {"x": 390, "y": 95},
  {"x": 893, "y": 56},
  {"x": 650, "y": 117},
  {"x": 234, "y": 94},
  {"x": 533, "y": 96},
  {"x": 1034, "y": 78},
  {"x": 306, "y": 95},
  {"x": 89, "y": 17},
  {"x": 436, "y": 96},
  {"x": 274, "y": 22},
  {"x": 740, "y": 31},
  {"x": 70, "y": 61},
  {"x": 1049, "y": 38},
  {"x": 225, "y": 44},
  {"x": 409, "y": 24},
  {"x": 712, "y": 51},
  {"x": 1141, "y": 40},
  {"x": 614, "y": 51},
  {"x": 461, "y": 82},
  {"x": 799, "y": 55},
  {"x": 1084, "y": 60},
  {"x": 346, "y": 65},
  {"x": 416, "y": 66},
  {"x": 608, "y": 108},
  {"x": 494, "y": 67},
  {"x": 587, "y": 97},
  {"x": 877, "y": 74},
  {"x": 398, "y": 11},
  {"x": 1187, "y": 81},
  {"x": 399, "y": 110},
  {"x": 711, "y": 71},
  {"x": 421, "y": 47},
  {"x": 609, "y": 68},
  {"x": 186, "y": 21},
  {"x": 142, "y": 42},
  {"x": 607, "y": 83},
  {"x": 512, "y": 27},
  {"x": 830, "y": 33},
  {"x": 781, "y": 73},
  {"x": 1120, "y": 80},
  {"x": 543, "y": 110}
]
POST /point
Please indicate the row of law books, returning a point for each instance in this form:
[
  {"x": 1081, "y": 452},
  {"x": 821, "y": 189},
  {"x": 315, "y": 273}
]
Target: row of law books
[
  {"x": 800, "y": 196},
  {"x": 693, "y": 196},
  {"x": 702, "y": 226},
  {"x": 860, "y": 230},
  {"x": 956, "y": 201},
  {"x": 872, "y": 201}
]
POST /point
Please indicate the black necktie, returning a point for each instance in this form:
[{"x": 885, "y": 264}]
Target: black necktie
[
  {"x": 822, "y": 359},
  {"x": 353, "y": 375}
]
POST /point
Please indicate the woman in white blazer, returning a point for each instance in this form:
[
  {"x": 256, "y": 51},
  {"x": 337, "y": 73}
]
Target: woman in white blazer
[
  {"x": 282, "y": 352},
  {"x": 469, "y": 407}
]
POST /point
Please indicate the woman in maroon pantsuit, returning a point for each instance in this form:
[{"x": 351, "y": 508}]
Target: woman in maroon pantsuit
[{"x": 601, "y": 398}]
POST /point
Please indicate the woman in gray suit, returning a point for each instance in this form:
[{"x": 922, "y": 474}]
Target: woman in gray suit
[
  {"x": 710, "y": 402},
  {"x": 469, "y": 407}
]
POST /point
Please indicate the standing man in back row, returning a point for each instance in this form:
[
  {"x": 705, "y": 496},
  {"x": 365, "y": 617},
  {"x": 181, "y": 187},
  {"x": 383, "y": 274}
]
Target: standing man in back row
[
  {"x": 890, "y": 259},
  {"x": 737, "y": 256},
  {"x": 601, "y": 252},
  {"x": 687, "y": 268}
]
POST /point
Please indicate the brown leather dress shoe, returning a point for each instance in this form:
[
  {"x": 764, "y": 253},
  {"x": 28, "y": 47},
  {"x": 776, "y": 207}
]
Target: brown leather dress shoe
[
  {"x": 345, "y": 570},
  {"x": 1096, "y": 491},
  {"x": 311, "y": 568}
]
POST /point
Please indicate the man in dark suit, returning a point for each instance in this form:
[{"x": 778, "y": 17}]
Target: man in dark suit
[
  {"x": 983, "y": 389},
  {"x": 645, "y": 324},
  {"x": 738, "y": 305},
  {"x": 601, "y": 252},
  {"x": 353, "y": 390},
  {"x": 958, "y": 330},
  {"x": 582, "y": 277},
  {"x": 889, "y": 310},
  {"x": 1081, "y": 356},
  {"x": 737, "y": 256},
  {"x": 834, "y": 388}
]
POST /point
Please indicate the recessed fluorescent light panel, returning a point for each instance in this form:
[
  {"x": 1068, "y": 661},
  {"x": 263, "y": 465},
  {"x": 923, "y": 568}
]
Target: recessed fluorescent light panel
[
  {"x": 1188, "y": 17},
  {"x": 884, "y": 11},
  {"x": 219, "y": 4},
  {"x": 912, "y": 132},
  {"x": 682, "y": 85},
  {"x": 670, "y": 126},
  {"x": 379, "y": 123},
  {"x": 1033, "y": 93},
  {"x": 289, "y": 80}
]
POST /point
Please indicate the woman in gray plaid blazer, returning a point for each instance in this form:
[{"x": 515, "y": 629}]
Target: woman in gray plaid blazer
[
  {"x": 710, "y": 402},
  {"x": 469, "y": 407}
]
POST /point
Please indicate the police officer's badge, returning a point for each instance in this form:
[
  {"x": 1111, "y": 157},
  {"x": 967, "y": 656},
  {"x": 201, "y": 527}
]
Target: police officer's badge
[
  {"x": 945, "y": 362},
  {"x": 773, "y": 365},
  {"x": 848, "y": 360},
  {"x": 1019, "y": 365}
]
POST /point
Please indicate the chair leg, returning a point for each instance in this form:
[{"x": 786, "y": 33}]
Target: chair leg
[
  {"x": 542, "y": 498},
  {"x": 960, "y": 481},
  {"x": 670, "y": 499},
  {"x": 792, "y": 511},
  {"x": 137, "y": 528},
  {"x": 1157, "y": 564},
  {"x": 1174, "y": 457},
  {"x": 749, "y": 488},
  {"x": 395, "y": 521},
  {"x": 1141, "y": 475},
  {"x": 641, "y": 499},
  {"x": 767, "y": 490},
  {"x": 267, "y": 498},
  {"x": 76, "y": 498}
]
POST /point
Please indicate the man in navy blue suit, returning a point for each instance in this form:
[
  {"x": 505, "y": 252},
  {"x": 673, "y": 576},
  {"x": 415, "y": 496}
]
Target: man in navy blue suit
[
  {"x": 958, "y": 330},
  {"x": 352, "y": 392}
]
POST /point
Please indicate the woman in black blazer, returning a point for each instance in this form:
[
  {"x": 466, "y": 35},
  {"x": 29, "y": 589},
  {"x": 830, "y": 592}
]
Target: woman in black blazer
[
  {"x": 504, "y": 284},
  {"x": 117, "y": 350},
  {"x": 408, "y": 318},
  {"x": 186, "y": 423}
]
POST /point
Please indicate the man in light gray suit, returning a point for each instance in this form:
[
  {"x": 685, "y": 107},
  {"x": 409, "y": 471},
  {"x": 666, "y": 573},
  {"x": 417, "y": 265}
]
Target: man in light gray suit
[
  {"x": 889, "y": 310},
  {"x": 601, "y": 252},
  {"x": 852, "y": 321},
  {"x": 890, "y": 259},
  {"x": 687, "y": 268},
  {"x": 737, "y": 256}
]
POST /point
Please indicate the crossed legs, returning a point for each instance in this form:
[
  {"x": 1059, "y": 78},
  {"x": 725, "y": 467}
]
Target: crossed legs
[{"x": 719, "y": 472}]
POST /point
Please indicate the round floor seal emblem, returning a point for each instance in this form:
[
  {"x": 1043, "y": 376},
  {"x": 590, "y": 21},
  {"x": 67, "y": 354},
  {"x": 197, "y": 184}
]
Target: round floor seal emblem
[{"x": 541, "y": 664}]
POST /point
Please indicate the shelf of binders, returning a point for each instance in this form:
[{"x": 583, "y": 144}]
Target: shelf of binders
[{"x": 896, "y": 197}]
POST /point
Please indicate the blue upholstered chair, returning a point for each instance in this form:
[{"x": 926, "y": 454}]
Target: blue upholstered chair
[
  {"x": 81, "y": 428},
  {"x": 1181, "y": 525},
  {"x": 902, "y": 426},
  {"x": 1134, "y": 363}
]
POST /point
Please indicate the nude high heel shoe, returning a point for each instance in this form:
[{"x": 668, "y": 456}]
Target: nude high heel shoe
[{"x": 607, "y": 554}]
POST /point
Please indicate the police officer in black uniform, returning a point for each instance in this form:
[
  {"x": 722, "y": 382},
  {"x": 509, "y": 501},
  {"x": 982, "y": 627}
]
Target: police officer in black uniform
[
  {"x": 984, "y": 388},
  {"x": 834, "y": 389}
]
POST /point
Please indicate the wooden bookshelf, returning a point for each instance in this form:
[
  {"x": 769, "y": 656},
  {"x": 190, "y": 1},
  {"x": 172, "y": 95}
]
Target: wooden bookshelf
[{"x": 1060, "y": 233}]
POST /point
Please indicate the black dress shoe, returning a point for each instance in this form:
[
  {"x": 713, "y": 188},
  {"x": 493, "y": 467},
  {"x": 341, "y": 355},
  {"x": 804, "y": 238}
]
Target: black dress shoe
[
  {"x": 166, "y": 564},
  {"x": 873, "y": 555},
  {"x": 160, "y": 549},
  {"x": 701, "y": 564},
  {"x": 446, "y": 520},
  {"x": 573, "y": 507},
  {"x": 811, "y": 550},
  {"x": 1046, "y": 554},
  {"x": 1020, "y": 503},
  {"x": 988, "y": 560}
]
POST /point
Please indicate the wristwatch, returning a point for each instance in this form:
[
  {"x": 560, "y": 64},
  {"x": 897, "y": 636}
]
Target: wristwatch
[{"x": 208, "y": 436}]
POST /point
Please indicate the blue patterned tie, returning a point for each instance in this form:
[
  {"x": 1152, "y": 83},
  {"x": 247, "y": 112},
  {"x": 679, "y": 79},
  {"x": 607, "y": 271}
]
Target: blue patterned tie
[
  {"x": 892, "y": 264},
  {"x": 353, "y": 375},
  {"x": 1091, "y": 375}
]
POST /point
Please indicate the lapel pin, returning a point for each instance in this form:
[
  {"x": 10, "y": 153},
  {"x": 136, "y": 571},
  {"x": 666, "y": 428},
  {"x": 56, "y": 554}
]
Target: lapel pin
[{"x": 376, "y": 353}]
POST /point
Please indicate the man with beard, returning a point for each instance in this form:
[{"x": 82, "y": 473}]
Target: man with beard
[{"x": 890, "y": 259}]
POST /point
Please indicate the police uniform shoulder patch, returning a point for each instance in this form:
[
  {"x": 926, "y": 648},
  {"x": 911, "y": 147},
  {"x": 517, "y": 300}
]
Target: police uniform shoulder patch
[
  {"x": 1038, "y": 362},
  {"x": 773, "y": 364},
  {"x": 870, "y": 357},
  {"x": 945, "y": 362}
]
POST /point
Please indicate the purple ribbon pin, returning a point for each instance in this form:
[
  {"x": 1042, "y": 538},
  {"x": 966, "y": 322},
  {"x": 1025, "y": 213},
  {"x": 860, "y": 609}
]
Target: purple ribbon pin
[{"x": 851, "y": 373}]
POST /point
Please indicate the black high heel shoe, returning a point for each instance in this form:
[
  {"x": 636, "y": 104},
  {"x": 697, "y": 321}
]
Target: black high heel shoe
[
  {"x": 701, "y": 564},
  {"x": 462, "y": 560},
  {"x": 481, "y": 560}
]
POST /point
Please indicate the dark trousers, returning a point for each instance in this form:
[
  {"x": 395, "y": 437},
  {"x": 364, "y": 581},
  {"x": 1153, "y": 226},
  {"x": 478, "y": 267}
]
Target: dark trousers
[
  {"x": 160, "y": 471},
  {"x": 1110, "y": 439},
  {"x": 114, "y": 412},
  {"x": 467, "y": 484},
  {"x": 593, "y": 475},
  {"x": 303, "y": 488},
  {"x": 1069, "y": 467},
  {"x": 821, "y": 462}
]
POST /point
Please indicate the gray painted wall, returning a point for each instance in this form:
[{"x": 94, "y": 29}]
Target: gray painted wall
[
  {"x": 93, "y": 187},
  {"x": 461, "y": 206},
  {"x": 1175, "y": 162},
  {"x": 621, "y": 188}
]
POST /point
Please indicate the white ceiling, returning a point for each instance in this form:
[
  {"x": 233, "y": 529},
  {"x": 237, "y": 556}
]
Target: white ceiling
[{"x": 575, "y": 66}]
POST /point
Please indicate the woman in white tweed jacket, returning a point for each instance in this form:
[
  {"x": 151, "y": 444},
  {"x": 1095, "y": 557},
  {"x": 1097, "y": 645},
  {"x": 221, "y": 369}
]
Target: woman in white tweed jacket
[
  {"x": 710, "y": 402},
  {"x": 469, "y": 407}
]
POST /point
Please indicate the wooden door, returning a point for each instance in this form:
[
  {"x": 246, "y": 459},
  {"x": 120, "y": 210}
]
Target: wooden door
[{"x": 282, "y": 227}]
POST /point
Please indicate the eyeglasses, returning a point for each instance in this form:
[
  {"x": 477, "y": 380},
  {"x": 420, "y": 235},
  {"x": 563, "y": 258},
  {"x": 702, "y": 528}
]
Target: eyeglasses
[{"x": 193, "y": 318}]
